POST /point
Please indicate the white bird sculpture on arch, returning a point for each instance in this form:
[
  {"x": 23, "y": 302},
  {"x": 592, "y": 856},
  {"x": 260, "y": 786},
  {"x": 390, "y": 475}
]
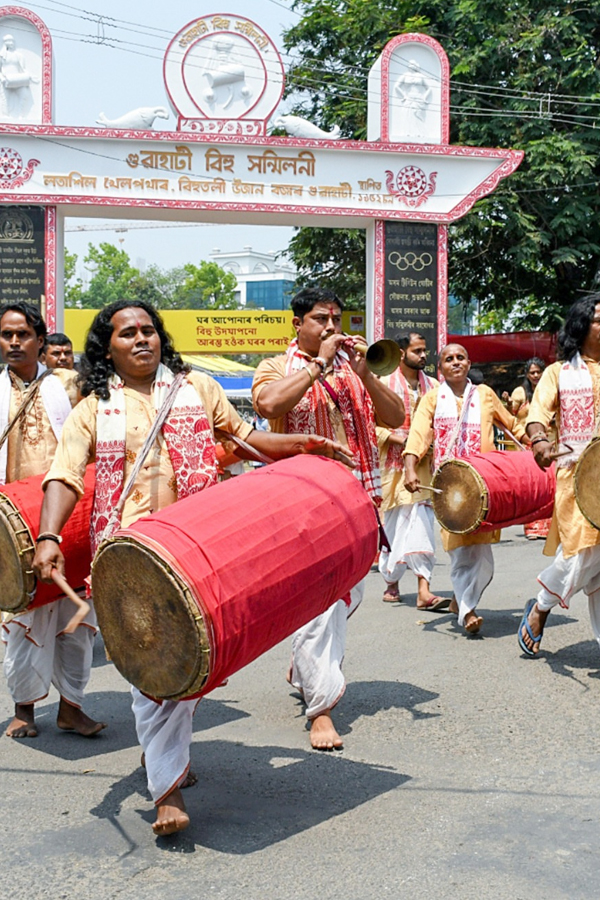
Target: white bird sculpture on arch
[{"x": 140, "y": 119}]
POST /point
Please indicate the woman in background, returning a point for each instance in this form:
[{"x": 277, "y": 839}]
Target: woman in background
[{"x": 518, "y": 405}]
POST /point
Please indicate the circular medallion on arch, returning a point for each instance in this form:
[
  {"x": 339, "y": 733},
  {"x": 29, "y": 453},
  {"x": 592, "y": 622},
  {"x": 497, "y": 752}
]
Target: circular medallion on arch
[{"x": 220, "y": 69}]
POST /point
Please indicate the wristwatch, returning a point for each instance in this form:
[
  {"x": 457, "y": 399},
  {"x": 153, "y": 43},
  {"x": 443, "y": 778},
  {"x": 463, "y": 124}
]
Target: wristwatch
[{"x": 322, "y": 363}]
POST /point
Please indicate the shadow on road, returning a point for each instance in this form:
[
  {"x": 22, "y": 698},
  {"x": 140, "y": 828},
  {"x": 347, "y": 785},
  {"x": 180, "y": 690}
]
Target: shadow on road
[{"x": 248, "y": 798}]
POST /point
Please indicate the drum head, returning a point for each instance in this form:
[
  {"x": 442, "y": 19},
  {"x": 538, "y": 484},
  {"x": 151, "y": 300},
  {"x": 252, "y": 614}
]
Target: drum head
[
  {"x": 463, "y": 503},
  {"x": 17, "y": 580},
  {"x": 150, "y": 622},
  {"x": 585, "y": 483}
]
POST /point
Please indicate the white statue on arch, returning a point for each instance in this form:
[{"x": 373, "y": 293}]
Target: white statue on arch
[
  {"x": 15, "y": 81},
  {"x": 414, "y": 93},
  {"x": 226, "y": 78}
]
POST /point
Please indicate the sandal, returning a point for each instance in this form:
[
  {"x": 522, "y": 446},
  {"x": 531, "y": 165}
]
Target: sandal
[
  {"x": 391, "y": 594},
  {"x": 435, "y": 603}
]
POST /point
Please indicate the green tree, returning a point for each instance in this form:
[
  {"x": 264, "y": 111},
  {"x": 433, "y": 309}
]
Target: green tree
[
  {"x": 206, "y": 286},
  {"x": 113, "y": 276},
  {"x": 73, "y": 284},
  {"x": 341, "y": 268},
  {"x": 523, "y": 75}
]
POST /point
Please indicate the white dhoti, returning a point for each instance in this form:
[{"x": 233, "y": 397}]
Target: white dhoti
[
  {"x": 39, "y": 654},
  {"x": 410, "y": 532},
  {"x": 471, "y": 570},
  {"x": 318, "y": 653},
  {"x": 164, "y": 731},
  {"x": 565, "y": 577}
]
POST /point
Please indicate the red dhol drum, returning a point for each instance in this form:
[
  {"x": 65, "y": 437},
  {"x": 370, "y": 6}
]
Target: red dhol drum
[
  {"x": 191, "y": 594},
  {"x": 492, "y": 490},
  {"x": 20, "y": 506}
]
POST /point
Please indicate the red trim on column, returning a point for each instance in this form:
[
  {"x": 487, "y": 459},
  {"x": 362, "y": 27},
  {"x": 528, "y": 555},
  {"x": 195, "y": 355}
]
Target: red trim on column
[
  {"x": 442, "y": 298},
  {"x": 379, "y": 276},
  {"x": 46, "y": 55},
  {"x": 51, "y": 268},
  {"x": 385, "y": 81}
]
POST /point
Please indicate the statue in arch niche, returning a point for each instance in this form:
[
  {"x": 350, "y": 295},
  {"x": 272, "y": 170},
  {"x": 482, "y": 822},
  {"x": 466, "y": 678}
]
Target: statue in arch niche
[
  {"x": 414, "y": 94},
  {"x": 15, "y": 81}
]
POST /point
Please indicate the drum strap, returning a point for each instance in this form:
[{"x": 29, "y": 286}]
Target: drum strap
[
  {"x": 463, "y": 414},
  {"x": 158, "y": 423},
  {"x": 33, "y": 390}
]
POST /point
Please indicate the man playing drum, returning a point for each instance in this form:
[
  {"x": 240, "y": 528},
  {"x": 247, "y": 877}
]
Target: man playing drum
[
  {"x": 460, "y": 418},
  {"x": 569, "y": 389},
  {"x": 322, "y": 385},
  {"x": 37, "y": 652},
  {"x": 408, "y": 519},
  {"x": 128, "y": 368}
]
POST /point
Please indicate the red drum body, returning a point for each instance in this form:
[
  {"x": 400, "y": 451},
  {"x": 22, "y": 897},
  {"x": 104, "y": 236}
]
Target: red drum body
[
  {"x": 20, "y": 507},
  {"x": 493, "y": 490},
  {"x": 191, "y": 594}
]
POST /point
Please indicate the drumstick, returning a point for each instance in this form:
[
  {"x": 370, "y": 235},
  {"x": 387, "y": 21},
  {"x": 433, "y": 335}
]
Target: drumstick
[
  {"x": 556, "y": 454},
  {"x": 83, "y": 605},
  {"x": 511, "y": 437},
  {"x": 427, "y": 487}
]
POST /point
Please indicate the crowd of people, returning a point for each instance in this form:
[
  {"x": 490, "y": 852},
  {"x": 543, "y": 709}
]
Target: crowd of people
[{"x": 319, "y": 397}]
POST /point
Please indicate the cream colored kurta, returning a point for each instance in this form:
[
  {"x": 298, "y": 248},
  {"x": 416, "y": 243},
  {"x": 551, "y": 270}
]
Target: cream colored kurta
[
  {"x": 32, "y": 443},
  {"x": 421, "y": 435},
  {"x": 392, "y": 479},
  {"x": 273, "y": 369},
  {"x": 155, "y": 486},
  {"x": 568, "y": 527}
]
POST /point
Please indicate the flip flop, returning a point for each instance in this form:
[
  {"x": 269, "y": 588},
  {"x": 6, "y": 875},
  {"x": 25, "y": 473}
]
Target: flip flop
[
  {"x": 391, "y": 594},
  {"x": 525, "y": 625},
  {"x": 436, "y": 603}
]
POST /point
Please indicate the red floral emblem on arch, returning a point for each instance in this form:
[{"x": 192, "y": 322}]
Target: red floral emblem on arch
[
  {"x": 12, "y": 174},
  {"x": 411, "y": 185}
]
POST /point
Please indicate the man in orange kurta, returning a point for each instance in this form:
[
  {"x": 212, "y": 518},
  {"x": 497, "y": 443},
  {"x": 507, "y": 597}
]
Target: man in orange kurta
[
  {"x": 408, "y": 518},
  {"x": 570, "y": 390},
  {"x": 460, "y": 419},
  {"x": 38, "y": 653}
]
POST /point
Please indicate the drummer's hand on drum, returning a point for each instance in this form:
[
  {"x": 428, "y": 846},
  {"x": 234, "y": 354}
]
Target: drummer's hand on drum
[
  {"x": 321, "y": 446},
  {"x": 544, "y": 453},
  {"x": 48, "y": 556}
]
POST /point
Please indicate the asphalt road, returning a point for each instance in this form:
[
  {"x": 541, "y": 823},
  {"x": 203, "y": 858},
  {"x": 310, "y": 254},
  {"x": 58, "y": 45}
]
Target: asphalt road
[{"x": 468, "y": 771}]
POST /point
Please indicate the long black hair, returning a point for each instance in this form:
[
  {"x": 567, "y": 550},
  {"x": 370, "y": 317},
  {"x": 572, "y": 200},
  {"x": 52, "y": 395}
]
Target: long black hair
[
  {"x": 526, "y": 385},
  {"x": 576, "y": 326},
  {"x": 96, "y": 369}
]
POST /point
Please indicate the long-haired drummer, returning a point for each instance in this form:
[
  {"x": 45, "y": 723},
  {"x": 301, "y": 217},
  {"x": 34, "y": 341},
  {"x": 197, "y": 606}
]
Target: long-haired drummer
[
  {"x": 409, "y": 519},
  {"x": 570, "y": 390},
  {"x": 322, "y": 385},
  {"x": 38, "y": 652},
  {"x": 461, "y": 419},
  {"x": 128, "y": 368}
]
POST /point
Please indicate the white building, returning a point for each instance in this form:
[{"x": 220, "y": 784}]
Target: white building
[{"x": 264, "y": 282}]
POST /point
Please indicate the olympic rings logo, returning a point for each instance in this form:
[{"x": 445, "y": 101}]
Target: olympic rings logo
[{"x": 410, "y": 261}]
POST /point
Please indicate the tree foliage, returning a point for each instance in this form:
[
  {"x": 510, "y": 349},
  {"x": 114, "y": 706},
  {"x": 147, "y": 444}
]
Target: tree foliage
[
  {"x": 203, "y": 286},
  {"x": 524, "y": 74}
]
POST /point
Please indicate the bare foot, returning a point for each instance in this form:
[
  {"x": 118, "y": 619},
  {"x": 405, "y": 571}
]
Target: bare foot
[
  {"x": 537, "y": 620},
  {"x": 71, "y": 718},
  {"x": 453, "y": 608},
  {"x": 189, "y": 781},
  {"x": 473, "y": 622},
  {"x": 323, "y": 735},
  {"x": 171, "y": 815},
  {"x": 23, "y": 725}
]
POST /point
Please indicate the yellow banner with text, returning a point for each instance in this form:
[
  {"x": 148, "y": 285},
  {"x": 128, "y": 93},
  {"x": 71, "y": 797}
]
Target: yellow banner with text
[{"x": 219, "y": 331}]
